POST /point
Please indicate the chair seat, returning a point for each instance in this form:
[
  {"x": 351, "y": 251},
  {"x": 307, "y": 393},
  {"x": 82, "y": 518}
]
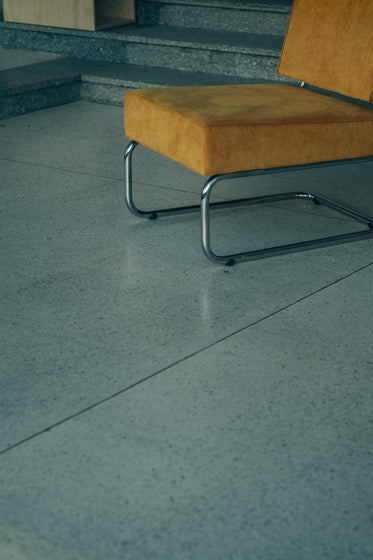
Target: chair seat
[{"x": 225, "y": 129}]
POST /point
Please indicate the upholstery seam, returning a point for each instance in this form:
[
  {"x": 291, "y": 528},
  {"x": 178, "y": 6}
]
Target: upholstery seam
[{"x": 200, "y": 123}]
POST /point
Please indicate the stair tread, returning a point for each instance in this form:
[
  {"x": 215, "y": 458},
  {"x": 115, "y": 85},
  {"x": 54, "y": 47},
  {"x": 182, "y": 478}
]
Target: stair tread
[
  {"x": 137, "y": 76},
  {"x": 43, "y": 74},
  {"x": 251, "y": 43},
  {"x": 164, "y": 48},
  {"x": 64, "y": 70},
  {"x": 265, "y": 5}
]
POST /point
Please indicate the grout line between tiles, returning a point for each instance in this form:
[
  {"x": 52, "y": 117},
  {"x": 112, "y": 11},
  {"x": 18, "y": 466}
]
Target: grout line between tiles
[
  {"x": 177, "y": 362},
  {"x": 56, "y": 168},
  {"x": 120, "y": 179}
]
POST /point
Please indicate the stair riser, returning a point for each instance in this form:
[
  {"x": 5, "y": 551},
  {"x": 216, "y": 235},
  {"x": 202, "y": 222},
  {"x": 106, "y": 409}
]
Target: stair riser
[
  {"x": 77, "y": 46},
  {"x": 103, "y": 93},
  {"x": 219, "y": 62},
  {"x": 223, "y": 19},
  {"x": 169, "y": 56},
  {"x": 37, "y": 99}
]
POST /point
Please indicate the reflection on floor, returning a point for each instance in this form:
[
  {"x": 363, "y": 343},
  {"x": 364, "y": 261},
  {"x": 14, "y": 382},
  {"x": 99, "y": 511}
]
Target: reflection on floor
[{"x": 155, "y": 405}]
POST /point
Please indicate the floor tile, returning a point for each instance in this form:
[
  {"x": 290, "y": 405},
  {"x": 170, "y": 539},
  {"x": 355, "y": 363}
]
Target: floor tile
[
  {"x": 255, "y": 448},
  {"x": 51, "y": 138},
  {"x": 153, "y": 404},
  {"x": 96, "y": 299}
]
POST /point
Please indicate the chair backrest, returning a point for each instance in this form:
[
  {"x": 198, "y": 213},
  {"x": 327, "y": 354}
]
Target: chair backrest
[{"x": 329, "y": 44}]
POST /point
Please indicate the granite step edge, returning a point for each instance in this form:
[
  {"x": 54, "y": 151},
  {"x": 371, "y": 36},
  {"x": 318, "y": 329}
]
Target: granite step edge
[
  {"x": 43, "y": 74},
  {"x": 40, "y": 86},
  {"x": 136, "y": 75},
  {"x": 247, "y": 17},
  {"x": 197, "y": 38},
  {"x": 39, "y": 97},
  {"x": 264, "y": 5},
  {"x": 56, "y": 38},
  {"x": 109, "y": 85},
  {"x": 32, "y": 87}
]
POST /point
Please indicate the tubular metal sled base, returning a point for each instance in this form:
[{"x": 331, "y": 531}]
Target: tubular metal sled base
[{"x": 205, "y": 205}]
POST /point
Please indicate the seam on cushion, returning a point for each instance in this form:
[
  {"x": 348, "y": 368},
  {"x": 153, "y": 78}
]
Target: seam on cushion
[
  {"x": 206, "y": 125},
  {"x": 203, "y": 173},
  {"x": 310, "y": 123}
]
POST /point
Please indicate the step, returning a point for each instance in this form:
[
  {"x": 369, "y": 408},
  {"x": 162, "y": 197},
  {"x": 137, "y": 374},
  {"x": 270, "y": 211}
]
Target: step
[
  {"x": 224, "y": 52},
  {"x": 163, "y": 49},
  {"x": 249, "y": 16},
  {"x": 221, "y": 52},
  {"x": 110, "y": 83},
  {"x": 30, "y": 81},
  {"x": 39, "y": 84}
]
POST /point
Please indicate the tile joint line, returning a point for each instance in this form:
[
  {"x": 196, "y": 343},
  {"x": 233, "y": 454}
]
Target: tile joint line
[{"x": 177, "y": 362}]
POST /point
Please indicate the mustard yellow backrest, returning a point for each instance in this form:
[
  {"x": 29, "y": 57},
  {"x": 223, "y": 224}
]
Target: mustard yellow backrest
[{"x": 329, "y": 44}]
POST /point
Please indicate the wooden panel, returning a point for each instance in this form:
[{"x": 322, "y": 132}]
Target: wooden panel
[
  {"x": 75, "y": 14},
  {"x": 123, "y": 9},
  {"x": 110, "y": 13}
]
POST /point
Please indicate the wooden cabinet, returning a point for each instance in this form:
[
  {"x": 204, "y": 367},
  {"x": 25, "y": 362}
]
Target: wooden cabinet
[{"x": 75, "y": 14}]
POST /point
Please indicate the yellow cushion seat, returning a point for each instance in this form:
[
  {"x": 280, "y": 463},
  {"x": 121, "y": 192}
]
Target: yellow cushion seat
[{"x": 224, "y": 129}]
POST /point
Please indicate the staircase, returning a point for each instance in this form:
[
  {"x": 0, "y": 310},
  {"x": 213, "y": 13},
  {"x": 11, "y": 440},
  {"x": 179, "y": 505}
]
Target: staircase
[{"x": 174, "y": 42}]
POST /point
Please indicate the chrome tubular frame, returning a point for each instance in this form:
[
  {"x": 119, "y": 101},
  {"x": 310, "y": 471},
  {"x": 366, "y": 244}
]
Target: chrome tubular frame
[{"x": 205, "y": 206}]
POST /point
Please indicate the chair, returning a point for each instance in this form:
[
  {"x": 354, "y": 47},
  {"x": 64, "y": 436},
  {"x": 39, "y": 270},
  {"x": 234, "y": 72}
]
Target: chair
[{"x": 224, "y": 132}]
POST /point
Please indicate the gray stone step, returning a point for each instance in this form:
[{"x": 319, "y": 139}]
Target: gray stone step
[
  {"x": 109, "y": 84},
  {"x": 38, "y": 83},
  {"x": 250, "y": 16},
  {"x": 236, "y": 41},
  {"x": 30, "y": 87},
  {"x": 224, "y": 52}
]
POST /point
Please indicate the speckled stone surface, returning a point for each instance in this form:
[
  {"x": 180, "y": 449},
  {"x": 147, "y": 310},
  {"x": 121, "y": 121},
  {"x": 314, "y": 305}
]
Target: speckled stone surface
[
  {"x": 154, "y": 405},
  {"x": 28, "y": 85},
  {"x": 109, "y": 84},
  {"x": 225, "y": 52},
  {"x": 264, "y": 5},
  {"x": 139, "y": 76},
  {"x": 231, "y": 63},
  {"x": 174, "y": 43},
  {"x": 39, "y": 98},
  {"x": 249, "y": 17},
  {"x": 144, "y": 55},
  {"x": 255, "y": 448},
  {"x": 51, "y": 72}
]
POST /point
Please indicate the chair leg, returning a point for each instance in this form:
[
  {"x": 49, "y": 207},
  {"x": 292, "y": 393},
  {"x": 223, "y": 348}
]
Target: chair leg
[
  {"x": 153, "y": 214},
  {"x": 205, "y": 207},
  {"x": 230, "y": 259},
  {"x": 128, "y": 192}
]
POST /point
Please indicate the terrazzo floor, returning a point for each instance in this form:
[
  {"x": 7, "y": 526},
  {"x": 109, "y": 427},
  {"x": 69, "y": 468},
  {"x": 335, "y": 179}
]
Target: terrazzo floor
[{"x": 154, "y": 405}]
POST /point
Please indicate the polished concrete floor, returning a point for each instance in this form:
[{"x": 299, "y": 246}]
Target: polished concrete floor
[{"x": 155, "y": 405}]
